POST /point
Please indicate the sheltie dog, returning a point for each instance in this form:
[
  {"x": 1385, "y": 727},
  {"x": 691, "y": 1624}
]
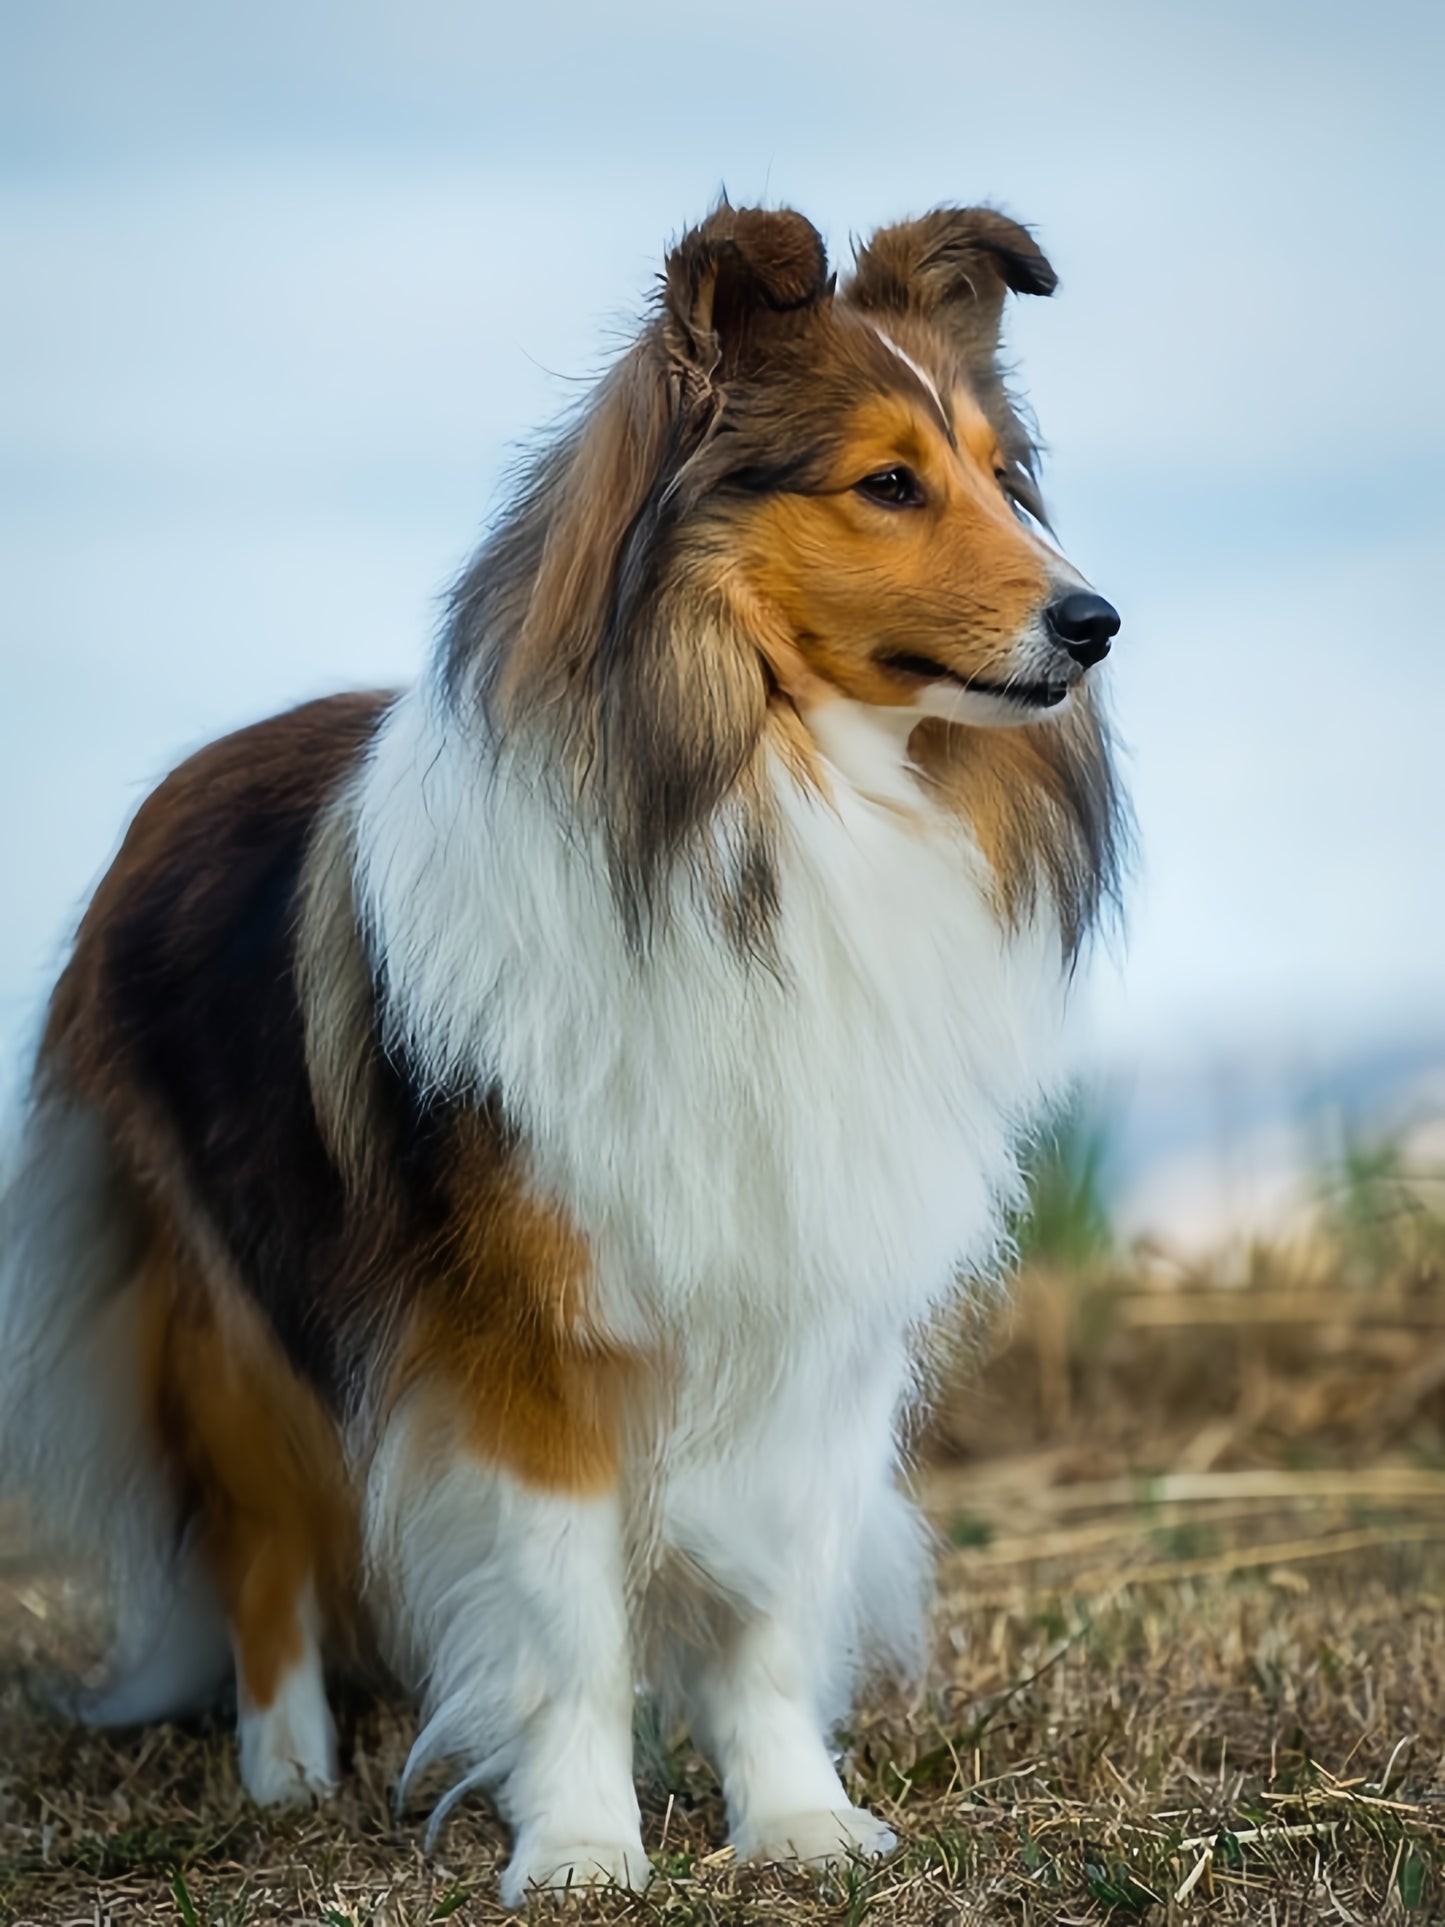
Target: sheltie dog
[{"x": 498, "y": 1151}]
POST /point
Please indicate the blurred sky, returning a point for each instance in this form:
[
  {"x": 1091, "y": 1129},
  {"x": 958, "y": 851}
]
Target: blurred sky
[{"x": 282, "y": 284}]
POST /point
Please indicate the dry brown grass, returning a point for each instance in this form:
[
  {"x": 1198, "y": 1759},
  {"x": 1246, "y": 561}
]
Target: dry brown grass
[{"x": 1191, "y": 1658}]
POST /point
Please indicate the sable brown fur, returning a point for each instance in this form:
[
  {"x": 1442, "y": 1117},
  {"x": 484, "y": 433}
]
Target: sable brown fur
[{"x": 1047, "y": 816}]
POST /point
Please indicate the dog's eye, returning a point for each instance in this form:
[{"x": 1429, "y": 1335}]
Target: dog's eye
[{"x": 894, "y": 488}]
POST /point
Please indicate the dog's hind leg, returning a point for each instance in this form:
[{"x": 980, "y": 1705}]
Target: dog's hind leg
[
  {"x": 186, "y": 1665},
  {"x": 262, "y": 1464},
  {"x": 286, "y": 1735}
]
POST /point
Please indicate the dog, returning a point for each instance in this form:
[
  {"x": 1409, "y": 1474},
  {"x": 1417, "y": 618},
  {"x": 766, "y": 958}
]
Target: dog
[{"x": 499, "y": 1152}]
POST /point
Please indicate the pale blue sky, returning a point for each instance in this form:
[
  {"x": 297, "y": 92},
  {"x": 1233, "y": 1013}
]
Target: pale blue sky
[{"x": 283, "y": 283}]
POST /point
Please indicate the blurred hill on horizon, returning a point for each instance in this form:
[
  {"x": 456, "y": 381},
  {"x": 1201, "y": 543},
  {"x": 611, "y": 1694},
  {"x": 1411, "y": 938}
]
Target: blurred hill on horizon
[{"x": 1199, "y": 1155}]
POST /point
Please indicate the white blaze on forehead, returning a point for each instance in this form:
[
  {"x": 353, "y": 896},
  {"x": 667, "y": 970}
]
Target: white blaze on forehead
[{"x": 909, "y": 363}]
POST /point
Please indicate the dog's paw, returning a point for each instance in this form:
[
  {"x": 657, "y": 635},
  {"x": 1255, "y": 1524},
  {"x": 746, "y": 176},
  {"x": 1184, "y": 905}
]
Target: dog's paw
[
  {"x": 827, "y": 1837},
  {"x": 276, "y": 1781},
  {"x": 288, "y": 1762},
  {"x": 550, "y": 1870}
]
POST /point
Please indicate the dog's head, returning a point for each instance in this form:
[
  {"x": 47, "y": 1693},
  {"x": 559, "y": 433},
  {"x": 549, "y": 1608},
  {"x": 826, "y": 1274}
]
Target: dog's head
[
  {"x": 858, "y": 460},
  {"x": 789, "y": 496}
]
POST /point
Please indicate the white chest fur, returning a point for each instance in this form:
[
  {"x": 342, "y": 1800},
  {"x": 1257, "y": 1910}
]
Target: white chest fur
[{"x": 731, "y": 1140}]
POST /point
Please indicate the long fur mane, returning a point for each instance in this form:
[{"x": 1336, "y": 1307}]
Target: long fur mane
[{"x": 599, "y": 618}]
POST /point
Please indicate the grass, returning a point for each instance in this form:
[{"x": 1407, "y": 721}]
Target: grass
[
  {"x": 1247, "y": 1738},
  {"x": 1190, "y": 1645},
  {"x": 1067, "y": 1223}
]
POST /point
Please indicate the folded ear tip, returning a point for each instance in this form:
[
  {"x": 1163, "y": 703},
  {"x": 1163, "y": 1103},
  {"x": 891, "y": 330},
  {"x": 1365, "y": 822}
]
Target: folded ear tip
[
  {"x": 784, "y": 253},
  {"x": 1021, "y": 263},
  {"x": 1031, "y": 274}
]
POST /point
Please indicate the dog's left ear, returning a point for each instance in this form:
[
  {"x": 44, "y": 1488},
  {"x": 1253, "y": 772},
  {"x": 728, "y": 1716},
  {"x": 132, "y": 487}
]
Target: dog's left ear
[
  {"x": 955, "y": 266},
  {"x": 731, "y": 284}
]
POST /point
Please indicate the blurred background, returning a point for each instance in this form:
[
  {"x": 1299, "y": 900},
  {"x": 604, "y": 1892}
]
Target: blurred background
[{"x": 284, "y": 288}]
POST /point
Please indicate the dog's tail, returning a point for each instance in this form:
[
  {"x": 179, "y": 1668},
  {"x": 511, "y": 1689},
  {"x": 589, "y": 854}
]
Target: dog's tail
[{"x": 78, "y": 1452}]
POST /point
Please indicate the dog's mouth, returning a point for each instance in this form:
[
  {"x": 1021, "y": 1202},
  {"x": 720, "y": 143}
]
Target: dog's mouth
[{"x": 1047, "y": 693}]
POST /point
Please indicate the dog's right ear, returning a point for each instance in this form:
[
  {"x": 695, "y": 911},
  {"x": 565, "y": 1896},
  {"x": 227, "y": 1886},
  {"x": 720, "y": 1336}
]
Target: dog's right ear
[{"x": 729, "y": 285}]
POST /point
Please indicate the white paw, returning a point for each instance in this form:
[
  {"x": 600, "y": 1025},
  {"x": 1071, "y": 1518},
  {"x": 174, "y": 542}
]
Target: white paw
[
  {"x": 827, "y": 1837},
  {"x": 288, "y": 1746},
  {"x": 550, "y": 1869},
  {"x": 285, "y": 1763}
]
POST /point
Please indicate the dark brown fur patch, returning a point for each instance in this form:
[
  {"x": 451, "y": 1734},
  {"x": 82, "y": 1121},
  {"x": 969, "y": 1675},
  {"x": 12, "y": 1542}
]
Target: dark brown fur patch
[
  {"x": 178, "y": 1017},
  {"x": 318, "y": 1210},
  {"x": 726, "y": 284}
]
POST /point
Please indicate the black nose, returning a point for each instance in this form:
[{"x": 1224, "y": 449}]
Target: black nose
[{"x": 1083, "y": 624}]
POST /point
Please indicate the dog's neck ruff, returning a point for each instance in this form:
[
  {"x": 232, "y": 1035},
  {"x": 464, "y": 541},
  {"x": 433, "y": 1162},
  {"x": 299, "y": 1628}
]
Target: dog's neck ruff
[{"x": 832, "y": 1131}]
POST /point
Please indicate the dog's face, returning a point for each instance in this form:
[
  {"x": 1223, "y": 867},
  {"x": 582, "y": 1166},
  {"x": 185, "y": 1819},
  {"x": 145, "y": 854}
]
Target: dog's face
[
  {"x": 872, "y": 487},
  {"x": 909, "y": 580}
]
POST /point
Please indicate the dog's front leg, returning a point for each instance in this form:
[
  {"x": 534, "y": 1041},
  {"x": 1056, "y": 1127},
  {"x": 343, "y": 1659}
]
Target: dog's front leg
[
  {"x": 754, "y": 1713},
  {"x": 507, "y": 1606},
  {"x": 569, "y": 1796}
]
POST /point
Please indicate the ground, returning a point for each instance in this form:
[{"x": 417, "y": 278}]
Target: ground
[{"x": 1190, "y": 1656}]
